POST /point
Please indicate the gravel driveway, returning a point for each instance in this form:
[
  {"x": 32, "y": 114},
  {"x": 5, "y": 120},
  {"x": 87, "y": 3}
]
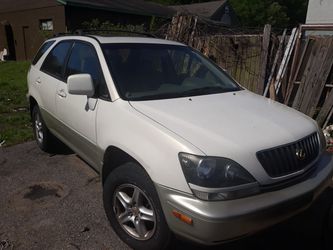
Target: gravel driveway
[{"x": 54, "y": 202}]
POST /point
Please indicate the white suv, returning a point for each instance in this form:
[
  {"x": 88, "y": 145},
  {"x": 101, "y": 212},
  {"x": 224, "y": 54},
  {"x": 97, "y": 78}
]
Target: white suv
[{"x": 181, "y": 147}]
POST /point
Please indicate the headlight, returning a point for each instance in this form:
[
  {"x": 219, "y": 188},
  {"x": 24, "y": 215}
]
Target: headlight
[{"x": 217, "y": 178}]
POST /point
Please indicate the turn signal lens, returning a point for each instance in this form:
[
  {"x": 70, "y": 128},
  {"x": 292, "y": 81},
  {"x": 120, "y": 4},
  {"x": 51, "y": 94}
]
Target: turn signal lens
[{"x": 182, "y": 217}]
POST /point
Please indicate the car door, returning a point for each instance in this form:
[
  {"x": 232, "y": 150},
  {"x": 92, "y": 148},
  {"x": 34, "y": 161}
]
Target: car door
[
  {"x": 50, "y": 74},
  {"x": 74, "y": 111}
]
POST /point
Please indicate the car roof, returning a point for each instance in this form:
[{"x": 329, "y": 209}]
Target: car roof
[{"x": 120, "y": 39}]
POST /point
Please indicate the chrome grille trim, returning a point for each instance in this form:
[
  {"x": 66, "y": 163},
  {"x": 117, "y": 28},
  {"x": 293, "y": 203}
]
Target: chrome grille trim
[{"x": 283, "y": 160}]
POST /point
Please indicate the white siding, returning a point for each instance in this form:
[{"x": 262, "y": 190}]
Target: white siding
[{"x": 320, "y": 11}]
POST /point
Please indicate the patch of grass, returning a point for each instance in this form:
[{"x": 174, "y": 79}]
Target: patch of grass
[{"x": 14, "y": 116}]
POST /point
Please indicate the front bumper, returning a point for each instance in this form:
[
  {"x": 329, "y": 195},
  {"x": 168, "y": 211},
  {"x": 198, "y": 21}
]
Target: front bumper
[{"x": 219, "y": 221}]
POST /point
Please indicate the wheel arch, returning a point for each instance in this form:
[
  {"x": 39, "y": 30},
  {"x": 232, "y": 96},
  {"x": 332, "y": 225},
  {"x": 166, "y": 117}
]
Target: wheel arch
[
  {"x": 113, "y": 158},
  {"x": 32, "y": 104}
]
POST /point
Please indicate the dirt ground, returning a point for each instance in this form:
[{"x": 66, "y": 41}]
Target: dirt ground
[{"x": 55, "y": 202}]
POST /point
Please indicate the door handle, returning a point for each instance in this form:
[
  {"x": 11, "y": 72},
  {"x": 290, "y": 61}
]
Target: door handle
[
  {"x": 38, "y": 81},
  {"x": 62, "y": 93}
]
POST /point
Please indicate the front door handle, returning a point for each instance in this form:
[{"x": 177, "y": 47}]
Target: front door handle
[
  {"x": 62, "y": 93},
  {"x": 38, "y": 81}
]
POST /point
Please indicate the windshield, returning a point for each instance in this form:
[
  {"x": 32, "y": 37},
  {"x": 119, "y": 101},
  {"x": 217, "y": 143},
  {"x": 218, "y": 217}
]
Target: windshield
[{"x": 159, "y": 71}]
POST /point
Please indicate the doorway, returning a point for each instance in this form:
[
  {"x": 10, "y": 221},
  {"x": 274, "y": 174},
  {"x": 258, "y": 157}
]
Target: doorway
[{"x": 10, "y": 42}]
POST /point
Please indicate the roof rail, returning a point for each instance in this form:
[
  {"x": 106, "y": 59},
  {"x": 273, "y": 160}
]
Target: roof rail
[
  {"x": 103, "y": 32},
  {"x": 109, "y": 32}
]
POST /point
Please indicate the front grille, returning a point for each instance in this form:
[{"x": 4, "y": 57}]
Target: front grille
[{"x": 290, "y": 158}]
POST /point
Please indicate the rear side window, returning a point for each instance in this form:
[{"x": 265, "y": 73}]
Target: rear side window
[
  {"x": 55, "y": 60},
  {"x": 41, "y": 51}
]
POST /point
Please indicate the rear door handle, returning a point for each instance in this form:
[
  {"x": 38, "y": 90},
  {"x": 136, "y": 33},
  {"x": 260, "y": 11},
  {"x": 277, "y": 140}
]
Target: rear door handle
[{"x": 62, "y": 93}]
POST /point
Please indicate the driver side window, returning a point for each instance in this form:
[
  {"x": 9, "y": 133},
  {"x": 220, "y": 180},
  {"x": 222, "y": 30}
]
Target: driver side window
[{"x": 84, "y": 60}]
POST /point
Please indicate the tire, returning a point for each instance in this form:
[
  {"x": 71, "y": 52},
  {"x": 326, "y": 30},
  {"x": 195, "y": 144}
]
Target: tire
[
  {"x": 44, "y": 139},
  {"x": 130, "y": 186}
]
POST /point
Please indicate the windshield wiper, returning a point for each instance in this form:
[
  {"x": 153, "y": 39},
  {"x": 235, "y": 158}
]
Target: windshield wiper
[
  {"x": 206, "y": 90},
  {"x": 190, "y": 92},
  {"x": 155, "y": 96}
]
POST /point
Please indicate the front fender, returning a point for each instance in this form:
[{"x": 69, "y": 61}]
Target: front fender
[{"x": 155, "y": 147}]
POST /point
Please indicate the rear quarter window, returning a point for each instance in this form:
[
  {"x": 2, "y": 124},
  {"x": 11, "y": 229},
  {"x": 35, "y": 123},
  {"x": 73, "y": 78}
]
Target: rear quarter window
[{"x": 42, "y": 51}]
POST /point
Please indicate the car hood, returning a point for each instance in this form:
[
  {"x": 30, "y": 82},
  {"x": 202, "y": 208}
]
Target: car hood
[{"x": 234, "y": 125}]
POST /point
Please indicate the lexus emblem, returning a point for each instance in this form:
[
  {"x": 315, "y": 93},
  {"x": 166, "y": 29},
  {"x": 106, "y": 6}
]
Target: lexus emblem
[{"x": 300, "y": 154}]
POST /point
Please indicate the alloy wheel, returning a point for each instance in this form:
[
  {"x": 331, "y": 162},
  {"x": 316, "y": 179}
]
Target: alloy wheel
[
  {"x": 134, "y": 212},
  {"x": 39, "y": 128}
]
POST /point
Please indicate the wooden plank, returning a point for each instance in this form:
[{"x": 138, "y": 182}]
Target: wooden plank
[
  {"x": 328, "y": 118},
  {"x": 264, "y": 58},
  {"x": 200, "y": 44},
  {"x": 319, "y": 53},
  {"x": 258, "y": 63},
  {"x": 322, "y": 79},
  {"x": 326, "y": 85},
  {"x": 312, "y": 84},
  {"x": 250, "y": 55},
  {"x": 178, "y": 28},
  {"x": 285, "y": 60},
  {"x": 306, "y": 74},
  {"x": 174, "y": 25},
  {"x": 237, "y": 60},
  {"x": 277, "y": 56},
  {"x": 283, "y": 88},
  {"x": 272, "y": 94},
  {"x": 168, "y": 35},
  {"x": 241, "y": 59},
  {"x": 224, "y": 56},
  {"x": 187, "y": 29},
  {"x": 325, "y": 109},
  {"x": 193, "y": 31},
  {"x": 228, "y": 65},
  {"x": 253, "y": 64},
  {"x": 300, "y": 63},
  {"x": 248, "y": 76},
  {"x": 295, "y": 57},
  {"x": 207, "y": 46}
]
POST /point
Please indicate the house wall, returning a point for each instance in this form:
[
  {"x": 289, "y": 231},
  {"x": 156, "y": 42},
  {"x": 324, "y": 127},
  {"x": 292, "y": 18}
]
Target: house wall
[
  {"x": 26, "y": 28},
  {"x": 3, "y": 42},
  {"x": 320, "y": 12},
  {"x": 27, "y": 35},
  {"x": 75, "y": 16}
]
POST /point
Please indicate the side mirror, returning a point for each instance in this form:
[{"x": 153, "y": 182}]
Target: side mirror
[{"x": 80, "y": 84}]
